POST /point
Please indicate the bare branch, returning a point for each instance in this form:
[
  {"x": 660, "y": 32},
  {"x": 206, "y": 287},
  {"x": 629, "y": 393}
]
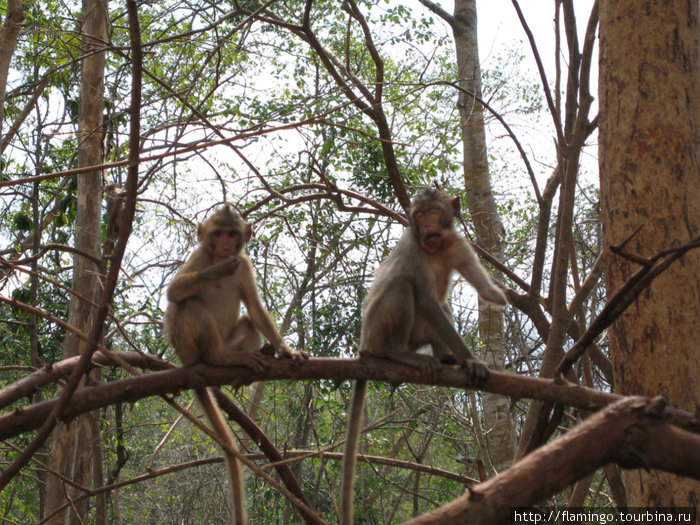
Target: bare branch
[
  {"x": 201, "y": 375},
  {"x": 630, "y": 432}
]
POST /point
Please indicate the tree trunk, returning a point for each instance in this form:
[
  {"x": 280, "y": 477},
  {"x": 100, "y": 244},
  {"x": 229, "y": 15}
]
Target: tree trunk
[
  {"x": 8, "y": 40},
  {"x": 76, "y": 449},
  {"x": 482, "y": 207},
  {"x": 649, "y": 173}
]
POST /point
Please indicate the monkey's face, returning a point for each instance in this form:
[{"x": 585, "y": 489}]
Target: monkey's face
[
  {"x": 431, "y": 228},
  {"x": 224, "y": 234},
  {"x": 225, "y": 242}
]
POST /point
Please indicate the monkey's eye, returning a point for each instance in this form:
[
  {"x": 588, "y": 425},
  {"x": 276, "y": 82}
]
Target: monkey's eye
[{"x": 418, "y": 214}]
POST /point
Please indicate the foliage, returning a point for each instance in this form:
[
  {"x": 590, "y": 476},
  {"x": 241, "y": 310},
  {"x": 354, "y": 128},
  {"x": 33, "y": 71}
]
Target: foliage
[{"x": 317, "y": 193}]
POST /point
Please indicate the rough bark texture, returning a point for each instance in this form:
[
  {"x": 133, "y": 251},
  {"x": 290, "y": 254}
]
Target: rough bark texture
[
  {"x": 482, "y": 207},
  {"x": 75, "y": 451},
  {"x": 8, "y": 40},
  {"x": 650, "y": 178}
]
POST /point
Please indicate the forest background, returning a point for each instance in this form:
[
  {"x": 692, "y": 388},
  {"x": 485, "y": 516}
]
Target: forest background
[{"x": 319, "y": 120}]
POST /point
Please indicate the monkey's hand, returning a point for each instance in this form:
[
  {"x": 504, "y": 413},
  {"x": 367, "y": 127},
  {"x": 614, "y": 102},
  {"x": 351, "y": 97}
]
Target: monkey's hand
[
  {"x": 286, "y": 352},
  {"x": 222, "y": 269},
  {"x": 478, "y": 372},
  {"x": 254, "y": 360}
]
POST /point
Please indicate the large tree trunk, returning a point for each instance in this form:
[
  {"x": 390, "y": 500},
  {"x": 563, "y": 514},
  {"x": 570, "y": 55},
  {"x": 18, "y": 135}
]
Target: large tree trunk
[
  {"x": 650, "y": 178},
  {"x": 76, "y": 450},
  {"x": 500, "y": 437},
  {"x": 8, "y": 40}
]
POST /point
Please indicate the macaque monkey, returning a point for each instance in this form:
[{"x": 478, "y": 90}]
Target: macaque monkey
[
  {"x": 114, "y": 198},
  {"x": 203, "y": 321},
  {"x": 406, "y": 308}
]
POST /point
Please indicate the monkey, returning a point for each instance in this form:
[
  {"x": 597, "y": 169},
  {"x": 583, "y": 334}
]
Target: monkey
[
  {"x": 114, "y": 199},
  {"x": 406, "y": 309},
  {"x": 203, "y": 322}
]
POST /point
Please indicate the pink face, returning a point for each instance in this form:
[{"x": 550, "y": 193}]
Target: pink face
[
  {"x": 429, "y": 227},
  {"x": 225, "y": 242}
]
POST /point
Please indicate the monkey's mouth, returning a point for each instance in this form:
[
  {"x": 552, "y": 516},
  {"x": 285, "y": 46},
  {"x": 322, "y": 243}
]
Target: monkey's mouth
[{"x": 432, "y": 242}]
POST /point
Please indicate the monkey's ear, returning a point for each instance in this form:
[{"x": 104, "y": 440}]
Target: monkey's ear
[
  {"x": 248, "y": 232},
  {"x": 200, "y": 232},
  {"x": 456, "y": 208}
]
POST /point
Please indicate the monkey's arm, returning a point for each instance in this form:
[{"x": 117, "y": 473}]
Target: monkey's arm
[
  {"x": 259, "y": 315},
  {"x": 468, "y": 265},
  {"x": 195, "y": 275},
  {"x": 436, "y": 317}
]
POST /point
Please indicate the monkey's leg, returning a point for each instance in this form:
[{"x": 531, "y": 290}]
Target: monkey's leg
[
  {"x": 225, "y": 353},
  {"x": 423, "y": 334},
  {"x": 234, "y": 468},
  {"x": 244, "y": 336},
  {"x": 352, "y": 438},
  {"x": 388, "y": 328},
  {"x": 440, "y": 324},
  {"x": 184, "y": 323},
  {"x": 442, "y": 353}
]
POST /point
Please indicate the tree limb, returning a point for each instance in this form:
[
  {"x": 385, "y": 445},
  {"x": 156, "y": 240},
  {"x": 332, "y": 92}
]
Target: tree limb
[
  {"x": 630, "y": 432},
  {"x": 176, "y": 379}
]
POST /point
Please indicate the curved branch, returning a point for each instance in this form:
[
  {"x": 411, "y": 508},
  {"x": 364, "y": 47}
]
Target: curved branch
[
  {"x": 176, "y": 379},
  {"x": 62, "y": 403}
]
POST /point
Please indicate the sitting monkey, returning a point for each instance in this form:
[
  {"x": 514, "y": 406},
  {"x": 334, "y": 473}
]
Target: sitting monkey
[
  {"x": 406, "y": 308},
  {"x": 203, "y": 322}
]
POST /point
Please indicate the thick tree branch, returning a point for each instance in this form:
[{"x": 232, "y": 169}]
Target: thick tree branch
[
  {"x": 198, "y": 376},
  {"x": 630, "y": 432}
]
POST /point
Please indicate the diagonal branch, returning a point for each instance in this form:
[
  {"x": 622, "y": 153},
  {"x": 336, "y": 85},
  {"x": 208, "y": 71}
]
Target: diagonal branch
[
  {"x": 625, "y": 296},
  {"x": 631, "y": 432},
  {"x": 62, "y": 403}
]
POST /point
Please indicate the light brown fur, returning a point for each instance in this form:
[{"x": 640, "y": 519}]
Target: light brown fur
[
  {"x": 410, "y": 290},
  {"x": 406, "y": 308},
  {"x": 203, "y": 321}
]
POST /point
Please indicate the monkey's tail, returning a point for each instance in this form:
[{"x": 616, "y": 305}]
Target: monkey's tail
[
  {"x": 352, "y": 439},
  {"x": 234, "y": 468}
]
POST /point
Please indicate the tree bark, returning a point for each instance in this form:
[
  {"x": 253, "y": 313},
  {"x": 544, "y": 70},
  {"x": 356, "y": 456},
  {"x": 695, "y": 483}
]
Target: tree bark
[
  {"x": 8, "y": 40},
  {"x": 76, "y": 449},
  {"x": 649, "y": 175},
  {"x": 500, "y": 437},
  {"x": 630, "y": 432}
]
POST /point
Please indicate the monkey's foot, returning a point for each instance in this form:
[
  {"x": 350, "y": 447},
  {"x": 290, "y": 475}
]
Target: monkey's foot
[
  {"x": 478, "y": 371},
  {"x": 448, "y": 358},
  {"x": 267, "y": 350},
  {"x": 297, "y": 356},
  {"x": 253, "y": 360}
]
